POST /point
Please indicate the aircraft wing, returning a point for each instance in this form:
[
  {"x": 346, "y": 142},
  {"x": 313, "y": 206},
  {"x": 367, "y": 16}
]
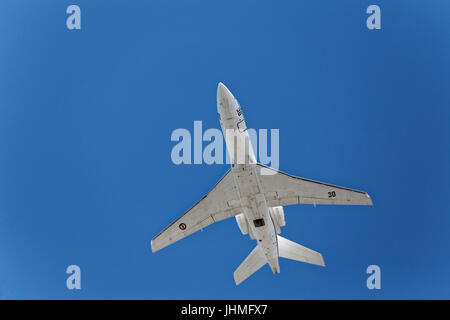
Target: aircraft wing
[
  {"x": 220, "y": 203},
  {"x": 282, "y": 189}
]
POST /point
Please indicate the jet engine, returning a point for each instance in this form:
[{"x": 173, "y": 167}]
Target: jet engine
[
  {"x": 277, "y": 215},
  {"x": 242, "y": 223}
]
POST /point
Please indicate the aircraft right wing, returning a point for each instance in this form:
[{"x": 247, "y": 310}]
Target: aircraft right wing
[
  {"x": 282, "y": 189},
  {"x": 220, "y": 203}
]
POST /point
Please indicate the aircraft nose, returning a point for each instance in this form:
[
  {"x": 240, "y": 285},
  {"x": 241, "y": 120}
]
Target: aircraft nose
[
  {"x": 222, "y": 91},
  {"x": 224, "y": 100}
]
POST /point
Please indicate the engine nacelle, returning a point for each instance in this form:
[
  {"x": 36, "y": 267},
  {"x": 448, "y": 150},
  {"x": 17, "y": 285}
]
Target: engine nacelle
[
  {"x": 277, "y": 215},
  {"x": 242, "y": 223}
]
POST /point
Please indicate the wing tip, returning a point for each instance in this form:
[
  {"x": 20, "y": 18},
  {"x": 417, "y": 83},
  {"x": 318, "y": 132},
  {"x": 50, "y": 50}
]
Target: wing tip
[
  {"x": 237, "y": 281},
  {"x": 153, "y": 246},
  {"x": 322, "y": 261},
  {"x": 370, "y": 203}
]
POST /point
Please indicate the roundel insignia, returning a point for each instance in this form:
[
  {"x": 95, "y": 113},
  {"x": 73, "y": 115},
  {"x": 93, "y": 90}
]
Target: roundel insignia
[{"x": 182, "y": 226}]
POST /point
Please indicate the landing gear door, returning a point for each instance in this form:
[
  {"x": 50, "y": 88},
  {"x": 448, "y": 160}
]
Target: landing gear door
[{"x": 241, "y": 126}]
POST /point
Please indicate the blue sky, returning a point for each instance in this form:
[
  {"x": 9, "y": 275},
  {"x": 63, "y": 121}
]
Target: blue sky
[{"x": 86, "y": 116}]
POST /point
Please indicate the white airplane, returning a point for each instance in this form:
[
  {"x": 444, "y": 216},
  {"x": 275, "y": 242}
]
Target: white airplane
[{"x": 255, "y": 195}]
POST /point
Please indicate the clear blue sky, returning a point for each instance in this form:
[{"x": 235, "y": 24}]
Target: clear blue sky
[{"x": 86, "y": 117}]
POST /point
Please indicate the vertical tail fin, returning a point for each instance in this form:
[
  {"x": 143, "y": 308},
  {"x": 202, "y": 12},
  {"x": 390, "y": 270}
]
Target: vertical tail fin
[
  {"x": 291, "y": 250},
  {"x": 254, "y": 261}
]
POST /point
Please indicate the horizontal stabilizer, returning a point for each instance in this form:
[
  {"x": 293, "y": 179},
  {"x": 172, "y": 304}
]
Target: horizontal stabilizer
[
  {"x": 291, "y": 250},
  {"x": 255, "y": 260}
]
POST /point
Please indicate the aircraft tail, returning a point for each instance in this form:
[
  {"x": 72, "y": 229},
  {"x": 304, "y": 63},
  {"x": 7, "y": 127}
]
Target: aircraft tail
[
  {"x": 291, "y": 250},
  {"x": 254, "y": 261},
  {"x": 286, "y": 249}
]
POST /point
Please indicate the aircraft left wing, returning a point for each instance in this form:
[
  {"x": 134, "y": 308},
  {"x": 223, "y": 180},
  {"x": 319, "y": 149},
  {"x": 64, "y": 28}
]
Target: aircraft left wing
[
  {"x": 282, "y": 189},
  {"x": 220, "y": 203}
]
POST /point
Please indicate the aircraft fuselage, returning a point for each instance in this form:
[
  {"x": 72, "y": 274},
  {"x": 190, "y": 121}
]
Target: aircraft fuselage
[{"x": 245, "y": 175}]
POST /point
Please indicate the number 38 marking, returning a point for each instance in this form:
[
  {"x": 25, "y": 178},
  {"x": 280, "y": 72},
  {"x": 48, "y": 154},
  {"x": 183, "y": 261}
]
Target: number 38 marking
[{"x": 331, "y": 194}]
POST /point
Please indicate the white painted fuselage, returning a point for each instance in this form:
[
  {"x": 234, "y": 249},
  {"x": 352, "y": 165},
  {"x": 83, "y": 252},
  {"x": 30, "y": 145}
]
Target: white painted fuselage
[
  {"x": 255, "y": 194},
  {"x": 246, "y": 178}
]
